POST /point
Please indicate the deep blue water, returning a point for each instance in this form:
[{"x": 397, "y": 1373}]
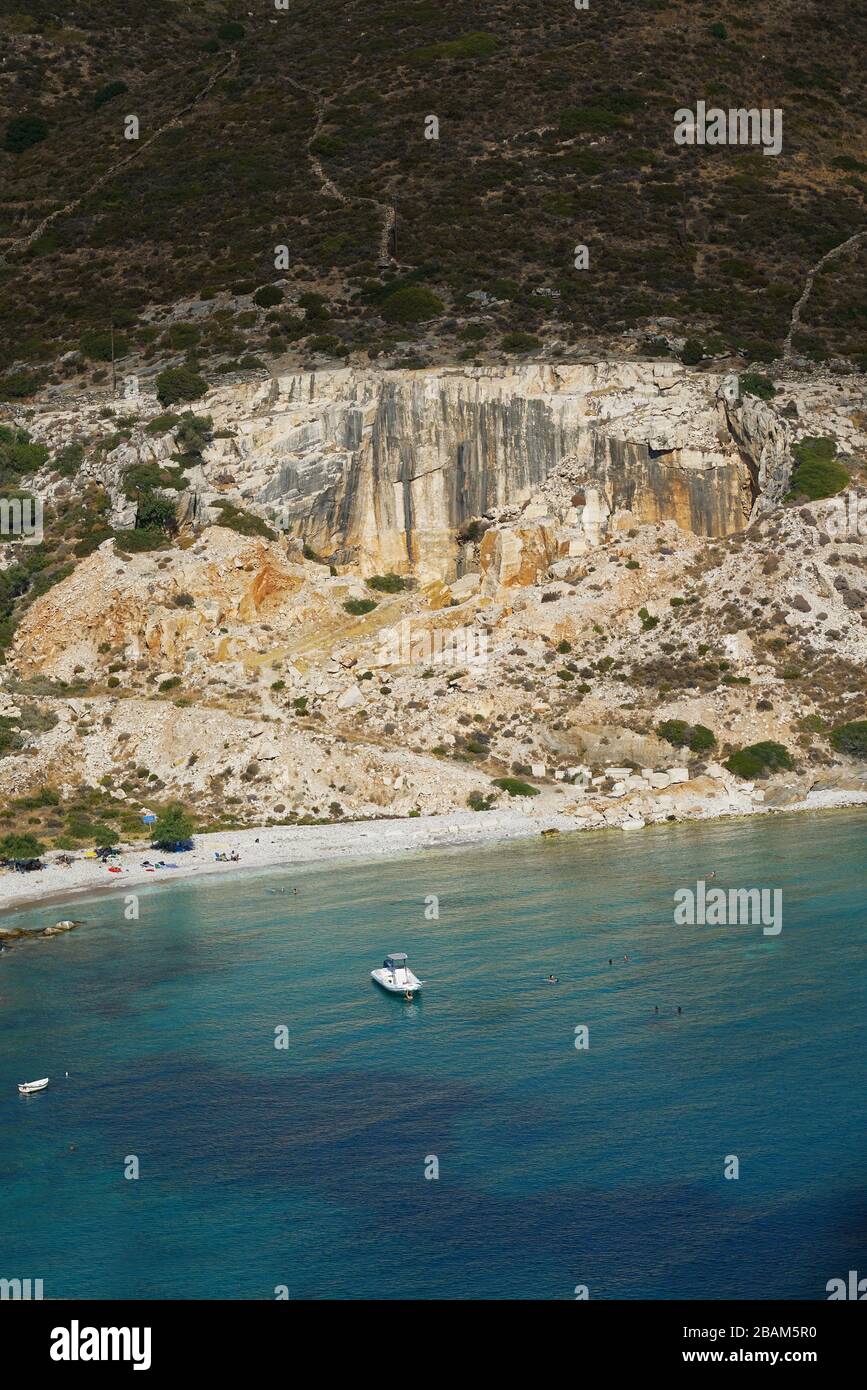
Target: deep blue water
[{"x": 305, "y": 1167}]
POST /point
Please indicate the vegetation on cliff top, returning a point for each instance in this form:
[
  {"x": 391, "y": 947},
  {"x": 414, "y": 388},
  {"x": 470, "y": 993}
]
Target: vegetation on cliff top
[{"x": 817, "y": 472}]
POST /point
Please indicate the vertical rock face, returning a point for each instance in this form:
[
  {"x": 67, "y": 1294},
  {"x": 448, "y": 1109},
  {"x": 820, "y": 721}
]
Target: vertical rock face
[
  {"x": 379, "y": 469},
  {"x": 765, "y": 440}
]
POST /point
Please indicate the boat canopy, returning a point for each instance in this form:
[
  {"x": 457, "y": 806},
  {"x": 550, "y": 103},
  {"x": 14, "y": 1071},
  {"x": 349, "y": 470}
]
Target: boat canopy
[{"x": 394, "y": 959}]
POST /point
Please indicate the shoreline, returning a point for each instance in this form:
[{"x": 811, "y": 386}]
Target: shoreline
[{"x": 274, "y": 847}]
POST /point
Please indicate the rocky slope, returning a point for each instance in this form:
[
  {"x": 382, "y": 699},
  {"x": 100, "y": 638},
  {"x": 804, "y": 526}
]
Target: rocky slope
[{"x": 613, "y": 580}]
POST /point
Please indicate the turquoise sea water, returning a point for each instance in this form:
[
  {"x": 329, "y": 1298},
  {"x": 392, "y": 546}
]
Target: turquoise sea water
[{"x": 305, "y": 1167}]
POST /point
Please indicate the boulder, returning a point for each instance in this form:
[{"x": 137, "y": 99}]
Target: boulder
[
  {"x": 515, "y": 556},
  {"x": 350, "y": 698},
  {"x": 466, "y": 586}
]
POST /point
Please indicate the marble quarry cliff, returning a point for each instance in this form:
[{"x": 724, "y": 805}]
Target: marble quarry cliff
[{"x": 380, "y": 470}]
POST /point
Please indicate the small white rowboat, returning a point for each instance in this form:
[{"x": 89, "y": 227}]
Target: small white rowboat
[{"x": 27, "y": 1087}]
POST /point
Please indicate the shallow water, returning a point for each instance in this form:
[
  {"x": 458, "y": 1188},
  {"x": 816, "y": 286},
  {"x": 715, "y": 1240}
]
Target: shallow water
[{"x": 305, "y": 1166}]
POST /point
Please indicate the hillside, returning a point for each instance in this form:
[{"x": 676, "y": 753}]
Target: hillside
[{"x": 304, "y": 128}]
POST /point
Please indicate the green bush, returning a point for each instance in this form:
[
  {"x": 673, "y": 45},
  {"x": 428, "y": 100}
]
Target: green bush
[
  {"x": 20, "y": 847},
  {"x": 701, "y": 739},
  {"x": 231, "y": 31},
  {"x": 46, "y": 796},
  {"x": 22, "y": 132},
  {"x": 759, "y": 759},
  {"x": 315, "y": 306},
  {"x": 134, "y": 542},
  {"x": 674, "y": 731},
  {"x": 161, "y": 424},
  {"x": 692, "y": 352},
  {"x": 173, "y": 827},
  {"x": 520, "y": 343},
  {"x": 680, "y": 734},
  {"x": 108, "y": 92},
  {"x": 386, "y": 583},
  {"x": 358, "y": 606},
  {"x": 139, "y": 478},
  {"x": 15, "y": 386},
  {"x": 245, "y": 523},
  {"x": 817, "y": 472},
  {"x": 68, "y": 461},
  {"x": 10, "y": 739},
  {"x": 745, "y": 764},
  {"x": 851, "y": 738},
  {"x": 583, "y": 120},
  {"x": 412, "y": 304},
  {"x": 328, "y": 344},
  {"x": 756, "y": 384},
  {"x": 18, "y": 456},
  {"x": 176, "y": 384},
  {"x": 183, "y": 336},
  {"x": 515, "y": 787},
  {"x": 156, "y": 512},
  {"x": 98, "y": 346},
  {"x": 268, "y": 296},
  {"x": 194, "y": 433}
]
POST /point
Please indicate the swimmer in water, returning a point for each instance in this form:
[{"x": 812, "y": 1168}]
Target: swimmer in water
[
  {"x": 656, "y": 1008},
  {"x": 712, "y": 873},
  {"x": 553, "y": 980},
  {"x": 679, "y": 1010}
]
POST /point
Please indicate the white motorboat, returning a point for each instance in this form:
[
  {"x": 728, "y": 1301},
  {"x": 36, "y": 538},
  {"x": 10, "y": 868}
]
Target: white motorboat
[
  {"x": 27, "y": 1087},
  {"x": 396, "y": 976}
]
